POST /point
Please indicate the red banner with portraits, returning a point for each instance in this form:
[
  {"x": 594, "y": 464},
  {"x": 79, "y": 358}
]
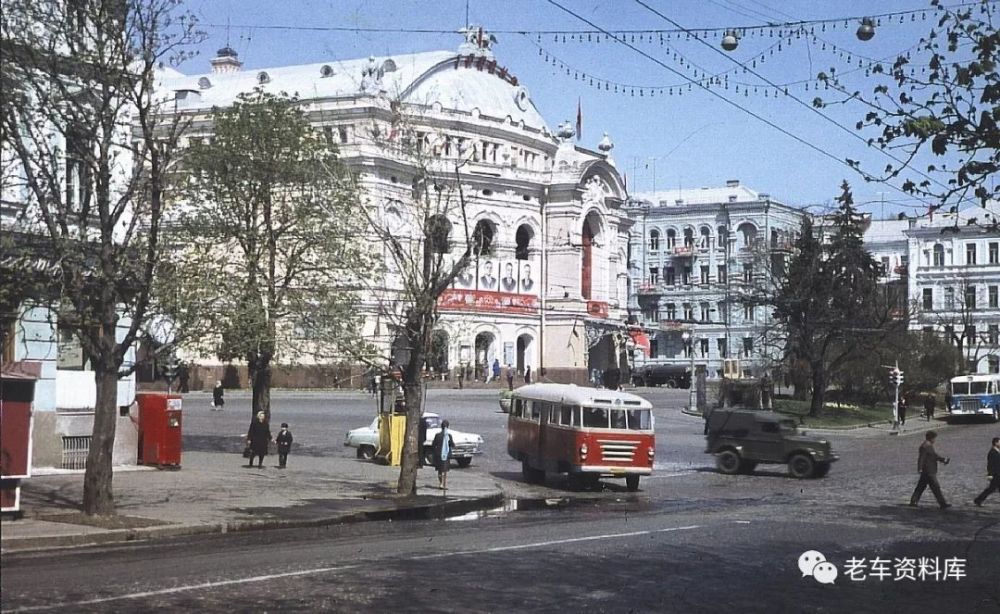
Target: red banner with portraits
[{"x": 495, "y": 302}]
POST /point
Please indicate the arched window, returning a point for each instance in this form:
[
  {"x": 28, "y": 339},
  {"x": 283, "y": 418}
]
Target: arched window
[
  {"x": 523, "y": 239},
  {"x": 723, "y": 233},
  {"x": 654, "y": 240},
  {"x": 671, "y": 238},
  {"x": 706, "y": 237},
  {"x": 689, "y": 237},
  {"x": 748, "y": 234},
  {"x": 483, "y": 238}
]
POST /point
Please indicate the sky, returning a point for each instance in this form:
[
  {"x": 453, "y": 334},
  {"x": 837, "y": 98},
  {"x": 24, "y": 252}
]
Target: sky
[{"x": 669, "y": 132}]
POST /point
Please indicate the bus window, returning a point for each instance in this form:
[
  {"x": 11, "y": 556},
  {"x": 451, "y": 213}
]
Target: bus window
[
  {"x": 639, "y": 419},
  {"x": 536, "y": 410},
  {"x": 595, "y": 417},
  {"x": 960, "y": 388},
  {"x": 553, "y": 414},
  {"x": 567, "y": 415},
  {"x": 618, "y": 418},
  {"x": 978, "y": 387}
]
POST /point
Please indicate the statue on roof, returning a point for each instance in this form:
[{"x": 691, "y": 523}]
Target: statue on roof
[
  {"x": 477, "y": 41},
  {"x": 371, "y": 76}
]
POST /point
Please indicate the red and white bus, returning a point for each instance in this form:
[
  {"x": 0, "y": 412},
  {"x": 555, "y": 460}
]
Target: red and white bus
[{"x": 585, "y": 432}]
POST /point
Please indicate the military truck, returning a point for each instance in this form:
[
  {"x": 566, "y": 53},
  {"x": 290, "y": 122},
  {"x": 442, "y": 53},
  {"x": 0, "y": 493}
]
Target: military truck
[
  {"x": 740, "y": 439},
  {"x": 672, "y": 376}
]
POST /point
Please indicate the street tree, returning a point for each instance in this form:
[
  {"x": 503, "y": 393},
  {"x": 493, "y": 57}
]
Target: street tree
[
  {"x": 831, "y": 304},
  {"x": 267, "y": 262},
  {"x": 938, "y": 108},
  {"x": 426, "y": 244},
  {"x": 82, "y": 129}
]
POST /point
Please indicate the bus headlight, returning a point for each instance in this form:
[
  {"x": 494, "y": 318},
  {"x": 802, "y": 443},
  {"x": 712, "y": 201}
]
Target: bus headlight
[
  {"x": 583, "y": 451},
  {"x": 650, "y": 452}
]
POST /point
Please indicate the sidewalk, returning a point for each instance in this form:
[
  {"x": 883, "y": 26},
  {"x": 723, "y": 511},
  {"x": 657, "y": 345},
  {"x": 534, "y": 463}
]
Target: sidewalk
[{"x": 214, "y": 493}]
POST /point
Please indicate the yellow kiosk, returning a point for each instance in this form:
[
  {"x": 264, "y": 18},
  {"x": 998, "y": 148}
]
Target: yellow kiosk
[{"x": 391, "y": 420}]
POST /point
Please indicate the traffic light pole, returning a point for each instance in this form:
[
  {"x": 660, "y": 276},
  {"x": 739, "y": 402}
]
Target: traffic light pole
[{"x": 895, "y": 378}]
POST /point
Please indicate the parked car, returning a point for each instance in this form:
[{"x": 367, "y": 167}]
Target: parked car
[
  {"x": 742, "y": 438},
  {"x": 467, "y": 445}
]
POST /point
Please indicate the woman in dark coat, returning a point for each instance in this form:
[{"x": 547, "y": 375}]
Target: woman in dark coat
[
  {"x": 443, "y": 446},
  {"x": 258, "y": 437},
  {"x": 217, "y": 400}
]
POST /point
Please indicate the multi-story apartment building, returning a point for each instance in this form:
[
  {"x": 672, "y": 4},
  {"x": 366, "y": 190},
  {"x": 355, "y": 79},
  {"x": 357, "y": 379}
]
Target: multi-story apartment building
[
  {"x": 549, "y": 290},
  {"x": 695, "y": 255},
  {"x": 954, "y": 281}
]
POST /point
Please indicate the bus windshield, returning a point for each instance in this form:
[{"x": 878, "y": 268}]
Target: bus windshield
[
  {"x": 624, "y": 419},
  {"x": 969, "y": 387}
]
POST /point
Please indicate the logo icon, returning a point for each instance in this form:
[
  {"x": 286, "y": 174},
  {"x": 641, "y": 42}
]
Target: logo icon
[{"x": 813, "y": 563}]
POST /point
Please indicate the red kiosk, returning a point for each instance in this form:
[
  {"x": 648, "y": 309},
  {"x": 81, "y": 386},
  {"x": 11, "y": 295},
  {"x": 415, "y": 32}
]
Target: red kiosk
[
  {"x": 159, "y": 429},
  {"x": 17, "y": 393}
]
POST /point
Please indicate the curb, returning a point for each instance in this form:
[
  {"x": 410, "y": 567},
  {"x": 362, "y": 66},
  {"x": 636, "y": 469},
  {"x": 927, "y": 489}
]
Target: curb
[{"x": 429, "y": 511}]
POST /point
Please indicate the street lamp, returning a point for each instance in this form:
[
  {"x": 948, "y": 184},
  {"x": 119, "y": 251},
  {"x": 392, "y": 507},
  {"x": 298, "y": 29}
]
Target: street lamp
[{"x": 689, "y": 339}]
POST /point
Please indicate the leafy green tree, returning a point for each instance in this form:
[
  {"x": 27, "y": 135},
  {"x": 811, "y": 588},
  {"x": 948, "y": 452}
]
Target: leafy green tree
[
  {"x": 939, "y": 107},
  {"x": 831, "y": 304},
  {"x": 85, "y": 144},
  {"x": 268, "y": 261}
]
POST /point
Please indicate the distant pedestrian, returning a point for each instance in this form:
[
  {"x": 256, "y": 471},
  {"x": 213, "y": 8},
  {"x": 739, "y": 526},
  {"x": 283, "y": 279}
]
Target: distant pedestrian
[
  {"x": 901, "y": 409},
  {"x": 527, "y": 374},
  {"x": 184, "y": 375},
  {"x": 496, "y": 368},
  {"x": 461, "y": 377},
  {"x": 947, "y": 401},
  {"x": 217, "y": 401},
  {"x": 486, "y": 372},
  {"x": 258, "y": 438},
  {"x": 510, "y": 377},
  {"x": 284, "y": 441},
  {"x": 442, "y": 447},
  {"x": 993, "y": 471},
  {"x": 373, "y": 384},
  {"x": 929, "y": 403},
  {"x": 927, "y": 465}
]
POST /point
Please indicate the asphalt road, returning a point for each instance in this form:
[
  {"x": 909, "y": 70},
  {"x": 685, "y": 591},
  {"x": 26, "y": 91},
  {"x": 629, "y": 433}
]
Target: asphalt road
[{"x": 690, "y": 541}]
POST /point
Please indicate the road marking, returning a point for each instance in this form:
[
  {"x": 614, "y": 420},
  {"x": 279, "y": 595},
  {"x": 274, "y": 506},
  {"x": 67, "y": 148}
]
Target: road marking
[{"x": 322, "y": 570}]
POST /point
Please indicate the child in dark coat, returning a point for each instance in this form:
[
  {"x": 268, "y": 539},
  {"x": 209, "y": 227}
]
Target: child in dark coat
[{"x": 284, "y": 441}]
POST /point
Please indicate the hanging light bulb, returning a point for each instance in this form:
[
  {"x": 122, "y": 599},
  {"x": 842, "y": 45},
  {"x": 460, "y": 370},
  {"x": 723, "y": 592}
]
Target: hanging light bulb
[
  {"x": 730, "y": 41},
  {"x": 866, "y": 31}
]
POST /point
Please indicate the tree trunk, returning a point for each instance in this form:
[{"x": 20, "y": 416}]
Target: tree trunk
[
  {"x": 98, "y": 497},
  {"x": 413, "y": 392},
  {"x": 260, "y": 384},
  {"x": 818, "y": 389}
]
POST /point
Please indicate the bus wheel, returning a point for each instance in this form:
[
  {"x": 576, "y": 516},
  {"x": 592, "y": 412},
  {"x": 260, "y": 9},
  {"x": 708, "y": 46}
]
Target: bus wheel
[
  {"x": 728, "y": 462},
  {"x": 532, "y": 475},
  {"x": 801, "y": 466},
  {"x": 464, "y": 462},
  {"x": 632, "y": 482}
]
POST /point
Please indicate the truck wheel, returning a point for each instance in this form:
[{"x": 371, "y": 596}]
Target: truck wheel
[
  {"x": 366, "y": 452},
  {"x": 632, "y": 482},
  {"x": 728, "y": 462},
  {"x": 464, "y": 462},
  {"x": 801, "y": 466}
]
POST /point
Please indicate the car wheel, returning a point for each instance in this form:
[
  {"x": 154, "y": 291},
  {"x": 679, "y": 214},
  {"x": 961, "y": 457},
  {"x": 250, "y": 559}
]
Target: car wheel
[
  {"x": 747, "y": 466},
  {"x": 821, "y": 470},
  {"x": 801, "y": 466},
  {"x": 464, "y": 462},
  {"x": 728, "y": 462},
  {"x": 429, "y": 456},
  {"x": 632, "y": 482},
  {"x": 366, "y": 452},
  {"x": 671, "y": 384}
]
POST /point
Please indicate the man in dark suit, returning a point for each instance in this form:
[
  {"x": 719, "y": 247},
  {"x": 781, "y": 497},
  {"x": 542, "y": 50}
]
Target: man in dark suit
[
  {"x": 992, "y": 470},
  {"x": 927, "y": 465}
]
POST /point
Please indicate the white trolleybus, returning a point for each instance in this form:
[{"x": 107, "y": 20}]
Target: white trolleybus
[
  {"x": 588, "y": 433},
  {"x": 975, "y": 395}
]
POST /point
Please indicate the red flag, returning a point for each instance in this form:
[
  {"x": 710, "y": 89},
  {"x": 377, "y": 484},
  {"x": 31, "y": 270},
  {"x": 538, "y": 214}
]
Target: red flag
[{"x": 579, "y": 120}]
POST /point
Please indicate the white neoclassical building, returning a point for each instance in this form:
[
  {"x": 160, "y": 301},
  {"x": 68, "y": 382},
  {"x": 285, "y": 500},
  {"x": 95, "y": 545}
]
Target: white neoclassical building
[
  {"x": 551, "y": 293},
  {"x": 694, "y": 253}
]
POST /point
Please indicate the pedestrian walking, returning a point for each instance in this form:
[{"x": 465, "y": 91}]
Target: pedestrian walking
[
  {"x": 527, "y": 374},
  {"x": 442, "y": 446},
  {"x": 496, "y": 368},
  {"x": 927, "y": 465},
  {"x": 217, "y": 400},
  {"x": 461, "y": 377},
  {"x": 486, "y": 372},
  {"x": 258, "y": 438},
  {"x": 284, "y": 441},
  {"x": 929, "y": 403},
  {"x": 510, "y": 377},
  {"x": 993, "y": 471},
  {"x": 901, "y": 409}
]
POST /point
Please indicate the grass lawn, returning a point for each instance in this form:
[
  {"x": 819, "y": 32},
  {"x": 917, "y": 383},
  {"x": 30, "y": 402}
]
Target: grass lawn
[{"x": 835, "y": 415}]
